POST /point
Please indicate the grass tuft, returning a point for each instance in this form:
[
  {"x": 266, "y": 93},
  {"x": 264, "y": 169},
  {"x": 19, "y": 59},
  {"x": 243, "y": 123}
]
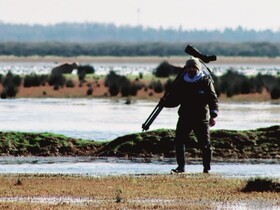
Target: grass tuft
[
  {"x": 261, "y": 185},
  {"x": 119, "y": 195},
  {"x": 18, "y": 182}
]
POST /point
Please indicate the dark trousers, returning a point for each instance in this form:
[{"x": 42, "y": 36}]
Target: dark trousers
[{"x": 202, "y": 133}]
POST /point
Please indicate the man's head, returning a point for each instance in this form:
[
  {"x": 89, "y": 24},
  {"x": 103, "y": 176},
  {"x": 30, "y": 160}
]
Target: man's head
[{"x": 193, "y": 66}]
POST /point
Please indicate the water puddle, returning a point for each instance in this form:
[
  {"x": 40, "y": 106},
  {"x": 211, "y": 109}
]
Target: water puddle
[{"x": 55, "y": 200}]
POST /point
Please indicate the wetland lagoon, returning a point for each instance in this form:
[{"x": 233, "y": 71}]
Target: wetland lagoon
[{"x": 75, "y": 182}]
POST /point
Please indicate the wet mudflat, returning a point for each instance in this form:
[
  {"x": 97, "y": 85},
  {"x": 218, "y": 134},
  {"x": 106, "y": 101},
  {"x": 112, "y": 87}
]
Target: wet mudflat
[{"x": 187, "y": 191}]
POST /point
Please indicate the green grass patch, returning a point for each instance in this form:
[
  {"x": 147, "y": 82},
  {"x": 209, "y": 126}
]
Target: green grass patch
[{"x": 260, "y": 143}]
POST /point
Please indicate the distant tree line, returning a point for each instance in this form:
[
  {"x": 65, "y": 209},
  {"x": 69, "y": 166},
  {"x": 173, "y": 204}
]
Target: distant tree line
[
  {"x": 98, "y": 32},
  {"x": 137, "y": 49}
]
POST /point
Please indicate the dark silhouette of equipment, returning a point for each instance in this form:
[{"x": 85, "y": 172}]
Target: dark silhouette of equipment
[{"x": 193, "y": 52}]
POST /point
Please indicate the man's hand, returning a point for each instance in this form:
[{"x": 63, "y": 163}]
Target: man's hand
[{"x": 212, "y": 122}]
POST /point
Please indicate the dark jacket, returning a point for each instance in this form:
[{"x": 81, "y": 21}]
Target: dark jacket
[{"x": 197, "y": 100}]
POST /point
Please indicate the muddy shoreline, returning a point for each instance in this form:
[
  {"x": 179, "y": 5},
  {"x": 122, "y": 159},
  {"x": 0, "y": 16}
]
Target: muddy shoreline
[{"x": 133, "y": 192}]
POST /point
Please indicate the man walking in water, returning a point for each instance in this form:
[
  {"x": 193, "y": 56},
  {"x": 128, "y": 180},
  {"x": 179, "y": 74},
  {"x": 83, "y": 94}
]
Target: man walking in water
[{"x": 198, "y": 109}]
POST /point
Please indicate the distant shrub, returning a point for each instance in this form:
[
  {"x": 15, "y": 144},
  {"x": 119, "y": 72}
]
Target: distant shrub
[
  {"x": 56, "y": 87},
  {"x": 121, "y": 84},
  {"x": 87, "y": 69},
  {"x": 134, "y": 88},
  {"x": 110, "y": 82},
  {"x": 146, "y": 89},
  {"x": 125, "y": 89},
  {"x": 10, "y": 83},
  {"x": 12, "y": 79},
  {"x": 111, "y": 79},
  {"x": 217, "y": 82},
  {"x": 168, "y": 84},
  {"x": 34, "y": 80},
  {"x": 268, "y": 81},
  {"x": 83, "y": 70},
  {"x": 114, "y": 90},
  {"x": 230, "y": 82},
  {"x": 165, "y": 70},
  {"x": 70, "y": 83},
  {"x": 11, "y": 91},
  {"x": 89, "y": 91},
  {"x": 157, "y": 86},
  {"x": 57, "y": 79},
  {"x": 275, "y": 92},
  {"x": 3, "y": 95},
  {"x": 81, "y": 76},
  {"x": 31, "y": 80}
]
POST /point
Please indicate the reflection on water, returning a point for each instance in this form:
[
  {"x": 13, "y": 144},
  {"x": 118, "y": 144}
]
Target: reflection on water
[{"x": 105, "y": 119}]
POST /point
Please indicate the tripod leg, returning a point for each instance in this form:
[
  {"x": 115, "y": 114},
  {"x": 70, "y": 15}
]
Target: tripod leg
[{"x": 151, "y": 118}]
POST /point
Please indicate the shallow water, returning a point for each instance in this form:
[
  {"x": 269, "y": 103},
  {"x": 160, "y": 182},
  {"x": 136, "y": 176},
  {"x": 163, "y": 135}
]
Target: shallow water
[
  {"x": 106, "y": 119},
  {"x": 103, "y": 119},
  {"x": 116, "y": 166}
]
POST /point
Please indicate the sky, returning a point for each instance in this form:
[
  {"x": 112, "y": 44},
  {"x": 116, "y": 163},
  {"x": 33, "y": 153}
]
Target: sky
[{"x": 174, "y": 14}]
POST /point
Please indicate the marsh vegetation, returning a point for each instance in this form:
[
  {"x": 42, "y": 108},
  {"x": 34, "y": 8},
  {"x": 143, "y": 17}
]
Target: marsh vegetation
[
  {"x": 261, "y": 143},
  {"x": 85, "y": 84}
]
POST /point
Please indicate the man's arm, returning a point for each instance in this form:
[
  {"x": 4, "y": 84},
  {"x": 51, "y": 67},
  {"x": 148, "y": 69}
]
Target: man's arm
[{"x": 213, "y": 104}]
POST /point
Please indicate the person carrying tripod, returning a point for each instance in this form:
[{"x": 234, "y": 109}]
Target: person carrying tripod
[{"x": 198, "y": 109}]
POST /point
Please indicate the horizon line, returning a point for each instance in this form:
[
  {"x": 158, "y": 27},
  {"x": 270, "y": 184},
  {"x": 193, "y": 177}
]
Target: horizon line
[{"x": 138, "y": 25}]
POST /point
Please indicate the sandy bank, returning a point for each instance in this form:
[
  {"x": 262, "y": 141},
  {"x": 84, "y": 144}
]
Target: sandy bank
[{"x": 139, "y": 59}]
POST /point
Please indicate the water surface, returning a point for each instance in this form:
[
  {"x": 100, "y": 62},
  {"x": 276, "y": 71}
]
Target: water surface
[
  {"x": 116, "y": 166},
  {"x": 106, "y": 119}
]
